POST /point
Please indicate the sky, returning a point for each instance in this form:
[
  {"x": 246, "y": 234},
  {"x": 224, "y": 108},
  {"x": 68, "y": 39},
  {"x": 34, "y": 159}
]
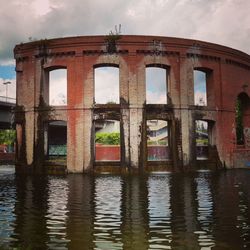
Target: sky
[
  {"x": 225, "y": 22},
  {"x": 156, "y": 85}
]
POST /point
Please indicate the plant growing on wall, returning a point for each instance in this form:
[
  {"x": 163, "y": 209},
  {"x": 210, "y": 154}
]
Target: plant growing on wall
[{"x": 111, "y": 40}]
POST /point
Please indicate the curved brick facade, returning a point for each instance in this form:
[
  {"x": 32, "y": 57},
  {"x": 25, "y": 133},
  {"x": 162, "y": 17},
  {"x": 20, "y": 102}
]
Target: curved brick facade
[{"x": 229, "y": 75}]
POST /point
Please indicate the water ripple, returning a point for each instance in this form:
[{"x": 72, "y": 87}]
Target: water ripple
[
  {"x": 167, "y": 211},
  {"x": 160, "y": 234},
  {"x": 57, "y": 213},
  {"x": 108, "y": 219}
]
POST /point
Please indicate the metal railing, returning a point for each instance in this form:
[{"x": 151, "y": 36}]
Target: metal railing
[{"x": 7, "y": 99}]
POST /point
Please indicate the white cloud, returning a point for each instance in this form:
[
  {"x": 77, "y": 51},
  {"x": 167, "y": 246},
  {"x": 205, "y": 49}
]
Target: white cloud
[
  {"x": 106, "y": 85},
  {"x": 200, "y": 98},
  {"x": 156, "y": 98},
  {"x": 225, "y": 22},
  {"x": 41, "y": 7},
  {"x": 58, "y": 87},
  {"x": 221, "y": 21}
]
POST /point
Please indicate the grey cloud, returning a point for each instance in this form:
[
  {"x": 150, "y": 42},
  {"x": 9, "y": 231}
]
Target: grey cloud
[{"x": 220, "y": 21}]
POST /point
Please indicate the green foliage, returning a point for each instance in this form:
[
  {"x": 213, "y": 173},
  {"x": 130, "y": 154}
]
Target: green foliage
[
  {"x": 239, "y": 123},
  {"x": 111, "y": 39},
  {"x": 108, "y": 138},
  {"x": 7, "y": 136}
]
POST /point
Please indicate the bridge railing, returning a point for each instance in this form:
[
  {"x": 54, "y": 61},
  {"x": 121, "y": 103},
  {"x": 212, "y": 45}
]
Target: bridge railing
[{"x": 7, "y": 99}]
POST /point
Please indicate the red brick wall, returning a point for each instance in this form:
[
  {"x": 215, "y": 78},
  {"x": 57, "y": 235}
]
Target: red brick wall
[
  {"x": 7, "y": 156},
  {"x": 230, "y": 76},
  {"x": 107, "y": 153}
]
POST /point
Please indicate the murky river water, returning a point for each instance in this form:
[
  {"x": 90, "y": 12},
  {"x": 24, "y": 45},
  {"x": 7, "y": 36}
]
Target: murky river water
[{"x": 200, "y": 210}]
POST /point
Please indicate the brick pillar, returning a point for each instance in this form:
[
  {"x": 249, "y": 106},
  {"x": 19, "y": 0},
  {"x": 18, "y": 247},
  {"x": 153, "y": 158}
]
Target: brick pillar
[
  {"x": 26, "y": 100},
  {"x": 75, "y": 115},
  {"x": 124, "y": 102},
  {"x": 88, "y": 126},
  {"x": 29, "y": 137},
  {"x": 39, "y": 115},
  {"x": 137, "y": 97},
  {"x": 187, "y": 123}
]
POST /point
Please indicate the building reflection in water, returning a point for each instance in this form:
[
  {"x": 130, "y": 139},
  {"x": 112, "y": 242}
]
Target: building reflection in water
[
  {"x": 56, "y": 216},
  {"x": 30, "y": 208},
  {"x": 7, "y": 211},
  {"x": 205, "y": 212},
  {"x": 200, "y": 210},
  {"x": 183, "y": 220},
  {"x": 160, "y": 234},
  {"x": 190, "y": 216},
  {"x": 108, "y": 218},
  {"x": 135, "y": 213},
  {"x": 243, "y": 217},
  {"x": 80, "y": 227}
]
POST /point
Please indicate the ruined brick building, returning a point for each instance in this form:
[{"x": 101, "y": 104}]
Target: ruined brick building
[{"x": 73, "y": 124}]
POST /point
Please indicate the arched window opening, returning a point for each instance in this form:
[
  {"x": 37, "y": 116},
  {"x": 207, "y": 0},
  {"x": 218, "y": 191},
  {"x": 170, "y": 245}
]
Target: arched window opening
[
  {"x": 200, "y": 88},
  {"x": 202, "y": 139},
  {"x": 156, "y": 85},
  {"x": 242, "y": 120},
  {"x": 107, "y": 140},
  {"x": 55, "y": 139},
  {"x": 58, "y": 87},
  {"x": 158, "y": 140},
  {"x": 107, "y": 85}
]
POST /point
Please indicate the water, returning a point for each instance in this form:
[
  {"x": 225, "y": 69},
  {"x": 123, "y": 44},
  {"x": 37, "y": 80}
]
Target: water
[{"x": 200, "y": 210}]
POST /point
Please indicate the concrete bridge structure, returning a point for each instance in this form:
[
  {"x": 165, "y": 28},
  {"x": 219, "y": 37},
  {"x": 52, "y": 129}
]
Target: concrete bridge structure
[
  {"x": 227, "y": 74},
  {"x": 7, "y": 112}
]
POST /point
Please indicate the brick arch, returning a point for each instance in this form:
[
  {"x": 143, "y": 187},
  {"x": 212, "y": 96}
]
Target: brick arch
[
  {"x": 100, "y": 65},
  {"x": 56, "y": 63},
  {"x": 109, "y": 60},
  {"x": 244, "y": 97},
  {"x": 54, "y": 67},
  {"x": 204, "y": 69},
  {"x": 162, "y": 61},
  {"x": 158, "y": 65}
]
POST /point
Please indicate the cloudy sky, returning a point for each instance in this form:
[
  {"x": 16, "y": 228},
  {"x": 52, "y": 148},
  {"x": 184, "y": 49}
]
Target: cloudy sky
[{"x": 226, "y": 22}]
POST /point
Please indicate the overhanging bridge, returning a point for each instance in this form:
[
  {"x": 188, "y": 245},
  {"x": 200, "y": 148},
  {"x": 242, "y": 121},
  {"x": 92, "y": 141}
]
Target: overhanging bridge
[{"x": 7, "y": 105}]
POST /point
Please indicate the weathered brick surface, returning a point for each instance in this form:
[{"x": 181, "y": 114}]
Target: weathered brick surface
[{"x": 230, "y": 74}]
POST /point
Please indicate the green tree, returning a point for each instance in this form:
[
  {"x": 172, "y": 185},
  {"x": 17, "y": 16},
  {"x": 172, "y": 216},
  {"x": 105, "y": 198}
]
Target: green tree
[
  {"x": 108, "y": 138},
  {"x": 7, "y": 136}
]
